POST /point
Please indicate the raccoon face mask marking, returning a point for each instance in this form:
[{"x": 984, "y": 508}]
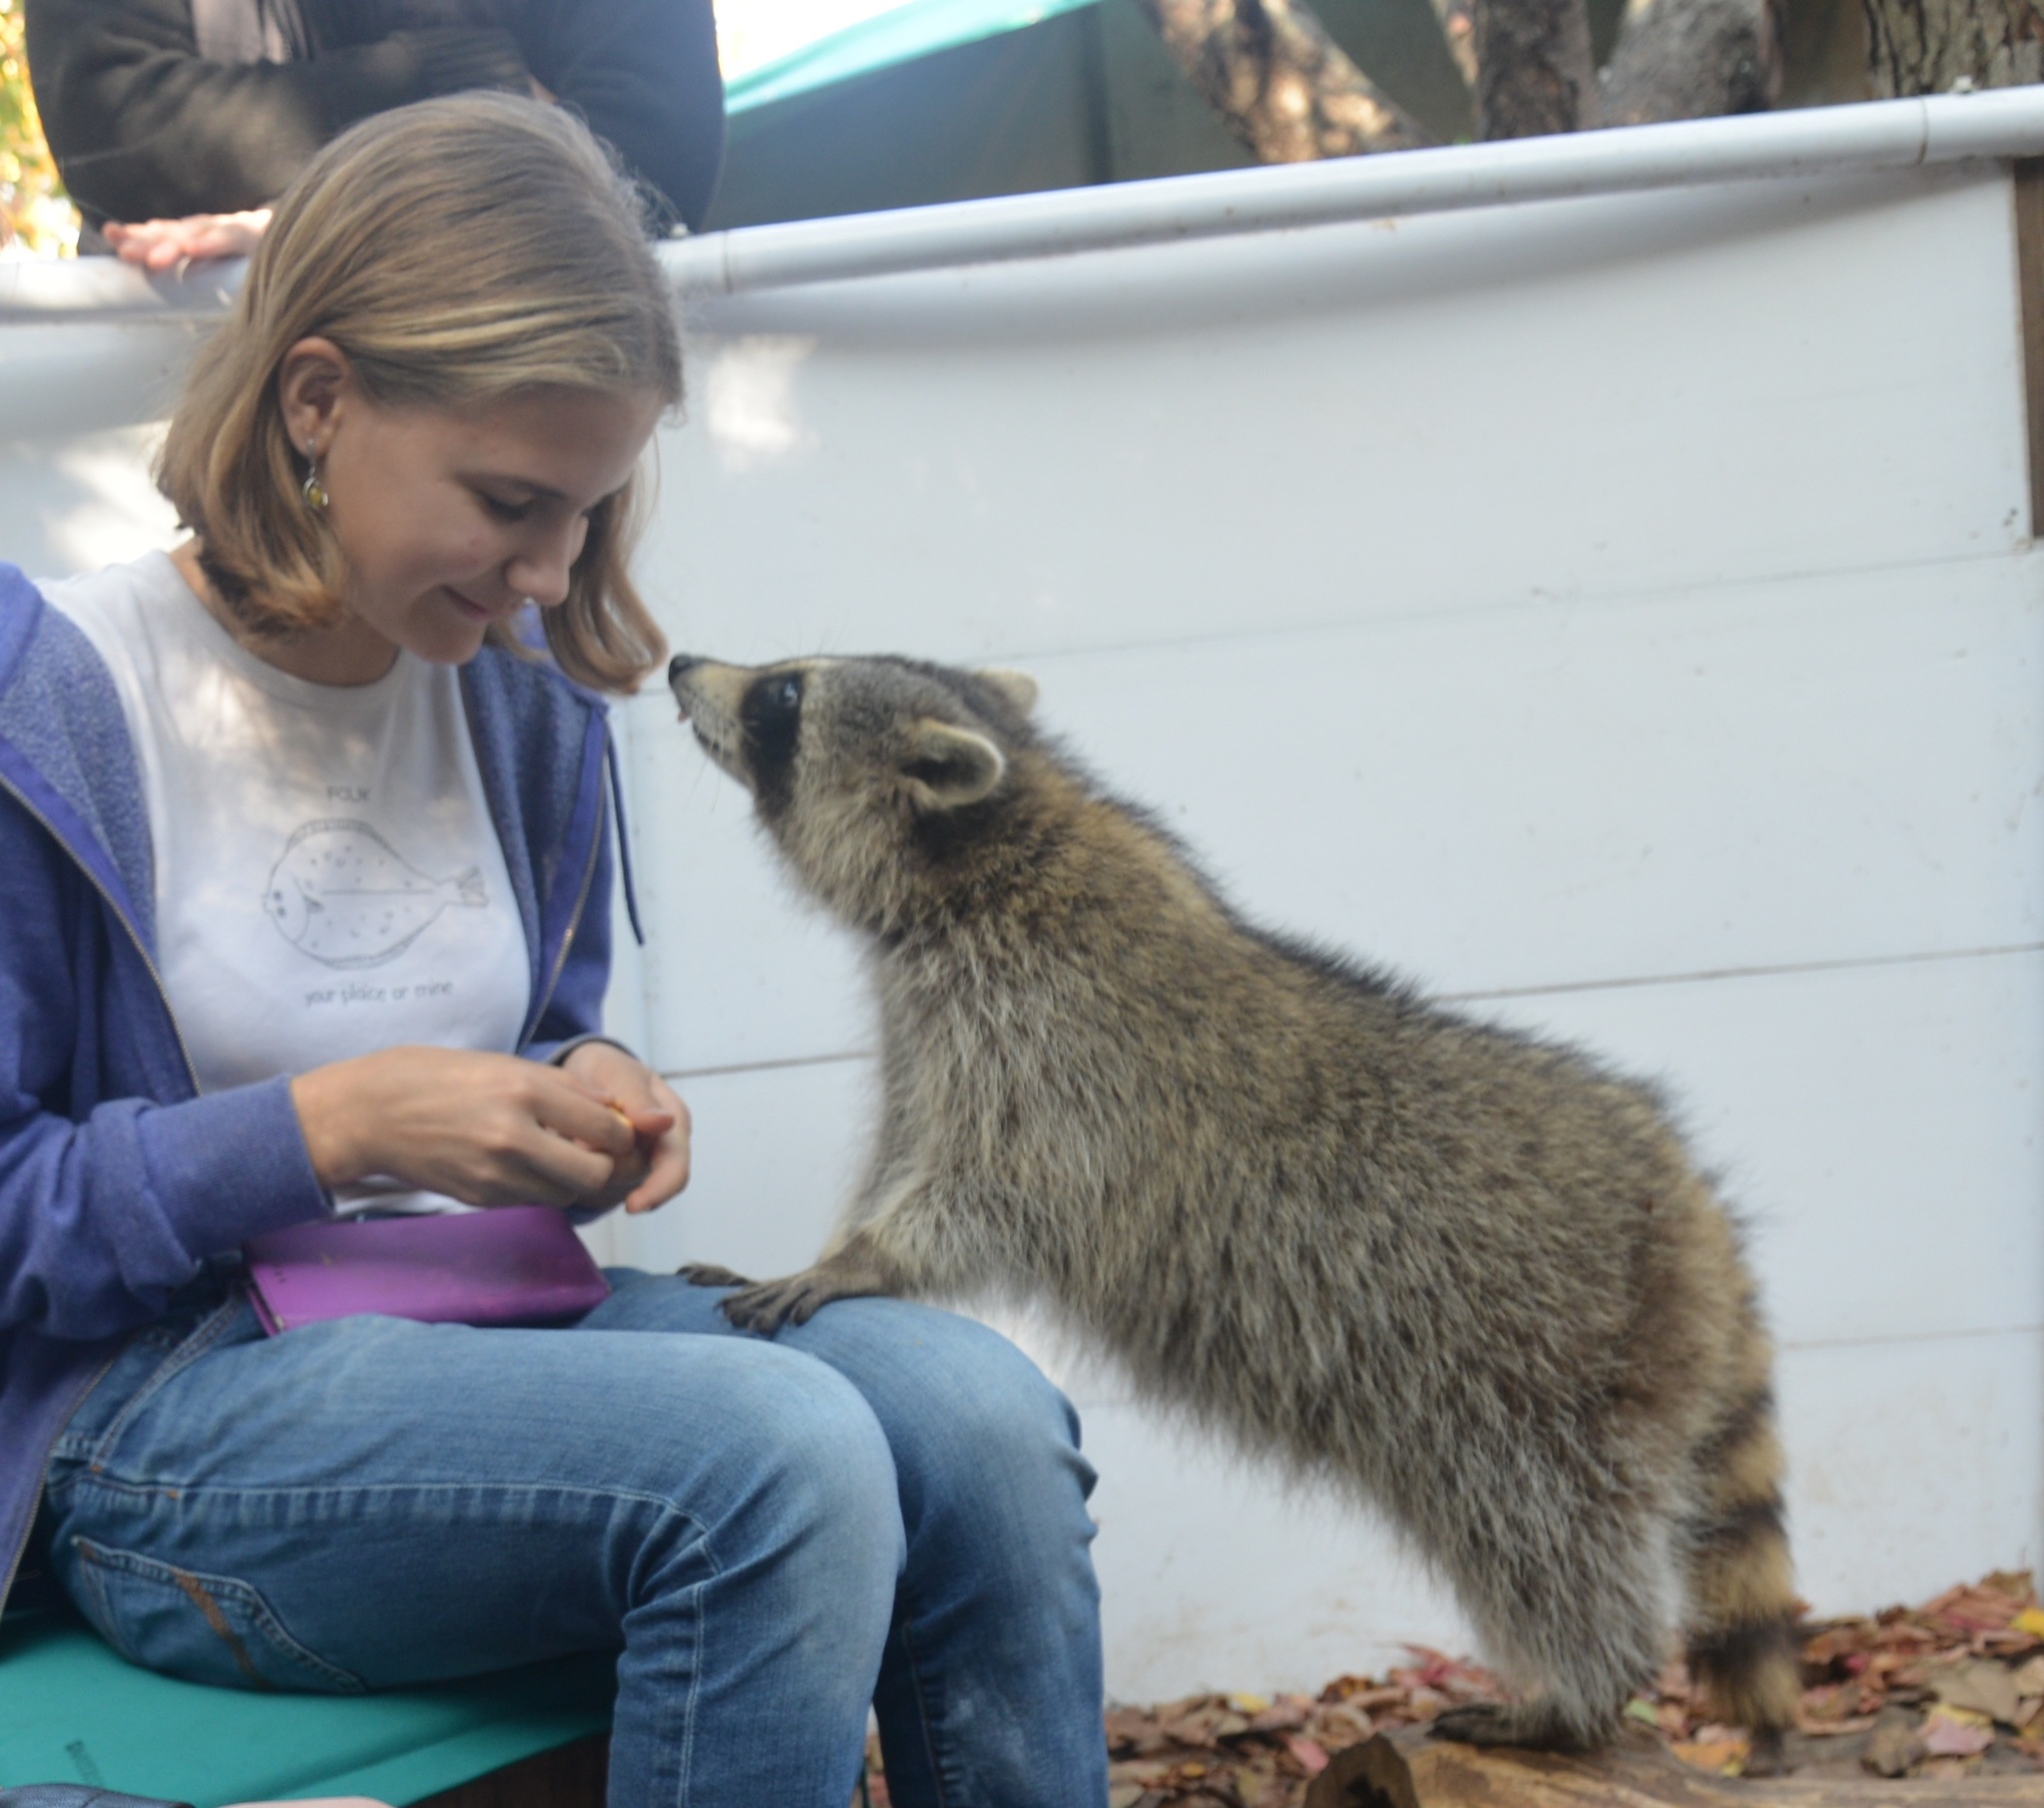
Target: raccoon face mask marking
[
  {"x": 747, "y": 722},
  {"x": 857, "y": 765},
  {"x": 770, "y": 717}
]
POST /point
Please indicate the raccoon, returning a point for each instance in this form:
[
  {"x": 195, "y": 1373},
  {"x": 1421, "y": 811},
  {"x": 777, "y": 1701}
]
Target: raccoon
[{"x": 1466, "y": 1274}]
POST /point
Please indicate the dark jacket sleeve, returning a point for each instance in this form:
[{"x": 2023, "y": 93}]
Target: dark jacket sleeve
[
  {"x": 109, "y": 1204},
  {"x": 644, "y": 75},
  {"x": 143, "y": 127}
]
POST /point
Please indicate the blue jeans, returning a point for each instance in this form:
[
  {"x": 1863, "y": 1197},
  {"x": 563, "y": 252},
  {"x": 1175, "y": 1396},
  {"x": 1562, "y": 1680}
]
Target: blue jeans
[{"x": 885, "y": 1506}]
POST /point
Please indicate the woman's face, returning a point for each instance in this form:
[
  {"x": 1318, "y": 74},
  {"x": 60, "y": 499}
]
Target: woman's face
[{"x": 450, "y": 521}]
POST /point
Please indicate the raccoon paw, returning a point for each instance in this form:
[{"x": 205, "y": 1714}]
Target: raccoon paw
[
  {"x": 766, "y": 1306},
  {"x": 1768, "y": 1756},
  {"x": 708, "y": 1274},
  {"x": 1529, "y": 1726}
]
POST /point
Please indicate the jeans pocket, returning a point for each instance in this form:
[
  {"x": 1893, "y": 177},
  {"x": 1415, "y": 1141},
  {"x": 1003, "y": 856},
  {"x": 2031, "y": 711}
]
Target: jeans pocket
[{"x": 186, "y": 1622}]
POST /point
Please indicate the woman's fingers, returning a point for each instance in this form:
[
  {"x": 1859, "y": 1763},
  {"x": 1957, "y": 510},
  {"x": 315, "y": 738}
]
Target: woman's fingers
[
  {"x": 161, "y": 245},
  {"x": 569, "y": 1109},
  {"x": 553, "y": 1172},
  {"x": 489, "y": 1129},
  {"x": 667, "y": 1169}
]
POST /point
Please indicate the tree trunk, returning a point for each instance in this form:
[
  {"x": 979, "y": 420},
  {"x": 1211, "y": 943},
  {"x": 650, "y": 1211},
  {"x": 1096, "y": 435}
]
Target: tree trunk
[
  {"x": 1534, "y": 72},
  {"x": 1693, "y": 60},
  {"x": 1278, "y": 81},
  {"x": 1414, "y": 1771},
  {"x": 1927, "y": 46}
]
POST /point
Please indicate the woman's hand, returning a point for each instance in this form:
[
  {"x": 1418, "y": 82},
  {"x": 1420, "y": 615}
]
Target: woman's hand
[
  {"x": 488, "y": 1130},
  {"x": 162, "y": 244},
  {"x": 660, "y": 1123}
]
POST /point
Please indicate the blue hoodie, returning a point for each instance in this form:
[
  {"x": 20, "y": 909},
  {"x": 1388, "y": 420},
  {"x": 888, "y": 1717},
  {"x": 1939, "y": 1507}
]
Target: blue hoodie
[{"x": 117, "y": 1179}]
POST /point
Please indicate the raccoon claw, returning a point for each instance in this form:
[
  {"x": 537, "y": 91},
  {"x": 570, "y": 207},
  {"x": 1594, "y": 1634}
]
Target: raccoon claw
[
  {"x": 708, "y": 1274},
  {"x": 1493, "y": 1723},
  {"x": 766, "y": 1306}
]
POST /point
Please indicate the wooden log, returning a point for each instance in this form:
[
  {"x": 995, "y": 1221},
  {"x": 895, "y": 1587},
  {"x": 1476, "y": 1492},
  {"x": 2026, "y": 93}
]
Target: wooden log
[{"x": 1415, "y": 1772}]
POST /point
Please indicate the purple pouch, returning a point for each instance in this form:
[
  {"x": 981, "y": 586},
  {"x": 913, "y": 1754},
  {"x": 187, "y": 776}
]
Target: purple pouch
[{"x": 511, "y": 1265}]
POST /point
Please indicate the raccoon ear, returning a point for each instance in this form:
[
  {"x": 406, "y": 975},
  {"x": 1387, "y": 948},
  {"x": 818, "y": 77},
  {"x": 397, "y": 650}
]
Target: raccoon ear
[
  {"x": 1017, "y": 689},
  {"x": 948, "y": 767}
]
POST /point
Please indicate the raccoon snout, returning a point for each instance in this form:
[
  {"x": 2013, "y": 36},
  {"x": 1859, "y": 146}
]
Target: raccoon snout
[{"x": 677, "y": 669}]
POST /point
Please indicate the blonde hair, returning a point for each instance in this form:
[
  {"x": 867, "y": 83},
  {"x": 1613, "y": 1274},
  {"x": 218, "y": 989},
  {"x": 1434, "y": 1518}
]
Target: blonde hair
[{"x": 460, "y": 251}]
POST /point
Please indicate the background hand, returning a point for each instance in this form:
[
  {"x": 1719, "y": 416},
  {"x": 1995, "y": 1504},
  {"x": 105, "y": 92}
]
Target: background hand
[
  {"x": 162, "y": 244},
  {"x": 659, "y": 1119}
]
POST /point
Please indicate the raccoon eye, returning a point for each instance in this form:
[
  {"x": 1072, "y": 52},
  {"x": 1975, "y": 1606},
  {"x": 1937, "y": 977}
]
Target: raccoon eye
[{"x": 772, "y": 715}]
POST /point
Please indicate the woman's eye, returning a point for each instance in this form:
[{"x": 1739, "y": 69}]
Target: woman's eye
[{"x": 505, "y": 511}]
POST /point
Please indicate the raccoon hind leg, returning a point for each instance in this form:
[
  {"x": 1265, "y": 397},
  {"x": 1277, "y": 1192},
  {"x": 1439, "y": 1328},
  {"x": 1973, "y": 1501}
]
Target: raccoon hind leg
[
  {"x": 1740, "y": 1593},
  {"x": 1566, "y": 1583}
]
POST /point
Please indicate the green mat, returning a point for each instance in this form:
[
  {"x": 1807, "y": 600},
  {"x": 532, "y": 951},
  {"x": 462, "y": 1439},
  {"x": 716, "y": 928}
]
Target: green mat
[{"x": 71, "y": 1712}]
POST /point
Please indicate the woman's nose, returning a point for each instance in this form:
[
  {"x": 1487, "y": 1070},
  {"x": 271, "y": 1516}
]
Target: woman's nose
[{"x": 542, "y": 570}]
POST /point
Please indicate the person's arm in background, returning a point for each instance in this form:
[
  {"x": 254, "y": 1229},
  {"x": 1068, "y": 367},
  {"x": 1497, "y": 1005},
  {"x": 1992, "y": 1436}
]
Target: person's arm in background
[
  {"x": 143, "y": 127},
  {"x": 644, "y": 75}
]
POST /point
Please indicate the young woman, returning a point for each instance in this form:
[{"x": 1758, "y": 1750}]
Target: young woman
[{"x": 304, "y": 892}]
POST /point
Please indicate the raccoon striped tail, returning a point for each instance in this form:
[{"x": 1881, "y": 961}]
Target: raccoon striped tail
[{"x": 1742, "y": 1601}]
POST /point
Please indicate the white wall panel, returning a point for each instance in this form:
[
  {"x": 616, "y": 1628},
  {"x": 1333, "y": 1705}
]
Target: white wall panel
[
  {"x": 1841, "y": 768},
  {"x": 1878, "y": 1126},
  {"x": 1543, "y": 402},
  {"x": 777, "y": 1154}
]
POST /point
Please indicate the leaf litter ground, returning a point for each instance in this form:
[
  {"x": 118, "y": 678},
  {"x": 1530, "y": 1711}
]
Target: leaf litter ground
[{"x": 1951, "y": 1689}]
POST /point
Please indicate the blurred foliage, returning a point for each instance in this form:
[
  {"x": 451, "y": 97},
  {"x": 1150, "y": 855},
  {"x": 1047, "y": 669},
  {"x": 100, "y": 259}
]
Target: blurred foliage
[{"x": 35, "y": 217}]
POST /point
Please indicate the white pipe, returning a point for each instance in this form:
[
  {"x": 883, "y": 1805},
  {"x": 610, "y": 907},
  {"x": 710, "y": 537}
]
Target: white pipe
[
  {"x": 1877, "y": 135},
  {"x": 105, "y": 289}
]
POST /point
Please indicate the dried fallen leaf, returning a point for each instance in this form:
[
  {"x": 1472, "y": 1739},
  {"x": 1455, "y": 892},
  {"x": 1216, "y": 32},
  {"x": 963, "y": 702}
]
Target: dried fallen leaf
[
  {"x": 1725, "y": 1756},
  {"x": 1311, "y": 1759},
  {"x": 1955, "y": 1733},
  {"x": 1979, "y": 1685}
]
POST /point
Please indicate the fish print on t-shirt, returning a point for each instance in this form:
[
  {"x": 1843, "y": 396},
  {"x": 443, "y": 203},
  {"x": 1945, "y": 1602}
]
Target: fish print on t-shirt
[{"x": 341, "y": 894}]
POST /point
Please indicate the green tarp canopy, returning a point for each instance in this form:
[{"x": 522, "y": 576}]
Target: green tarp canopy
[
  {"x": 899, "y": 35},
  {"x": 71, "y": 1712},
  {"x": 948, "y": 100}
]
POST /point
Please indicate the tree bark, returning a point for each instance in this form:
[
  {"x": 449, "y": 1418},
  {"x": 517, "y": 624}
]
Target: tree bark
[
  {"x": 1416, "y": 1772},
  {"x": 1534, "y": 72},
  {"x": 1693, "y": 60},
  {"x": 1927, "y": 46},
  {"x": 1278, "y": 81}
]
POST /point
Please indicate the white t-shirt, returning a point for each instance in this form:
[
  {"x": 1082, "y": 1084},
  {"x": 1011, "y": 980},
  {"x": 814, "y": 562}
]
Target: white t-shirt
[{"x": 327, "y": 878}]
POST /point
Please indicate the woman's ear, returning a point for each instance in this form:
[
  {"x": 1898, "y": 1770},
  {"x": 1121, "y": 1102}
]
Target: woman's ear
[{"x": 313, "y": 383}]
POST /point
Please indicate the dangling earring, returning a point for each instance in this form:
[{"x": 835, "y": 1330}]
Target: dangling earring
[{"x": 314, "y": 490}]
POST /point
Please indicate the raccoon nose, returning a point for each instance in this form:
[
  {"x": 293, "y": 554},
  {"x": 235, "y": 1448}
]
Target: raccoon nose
[{"x": 681, "y": 662}]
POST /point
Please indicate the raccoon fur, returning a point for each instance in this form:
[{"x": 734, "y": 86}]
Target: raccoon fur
[{"x": 1466, "y": 1274}]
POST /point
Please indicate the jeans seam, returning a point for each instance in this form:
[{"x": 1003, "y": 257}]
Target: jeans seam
[
  {"x": 137, "y": 1488},
  {"x": 208, "y": 1332},
  {"x": 938, "y": 1774},
  {"x": 200, "y": 1589}
]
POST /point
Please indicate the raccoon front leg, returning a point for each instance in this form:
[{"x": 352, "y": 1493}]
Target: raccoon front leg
[{"x": 856, "y": 1268}]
